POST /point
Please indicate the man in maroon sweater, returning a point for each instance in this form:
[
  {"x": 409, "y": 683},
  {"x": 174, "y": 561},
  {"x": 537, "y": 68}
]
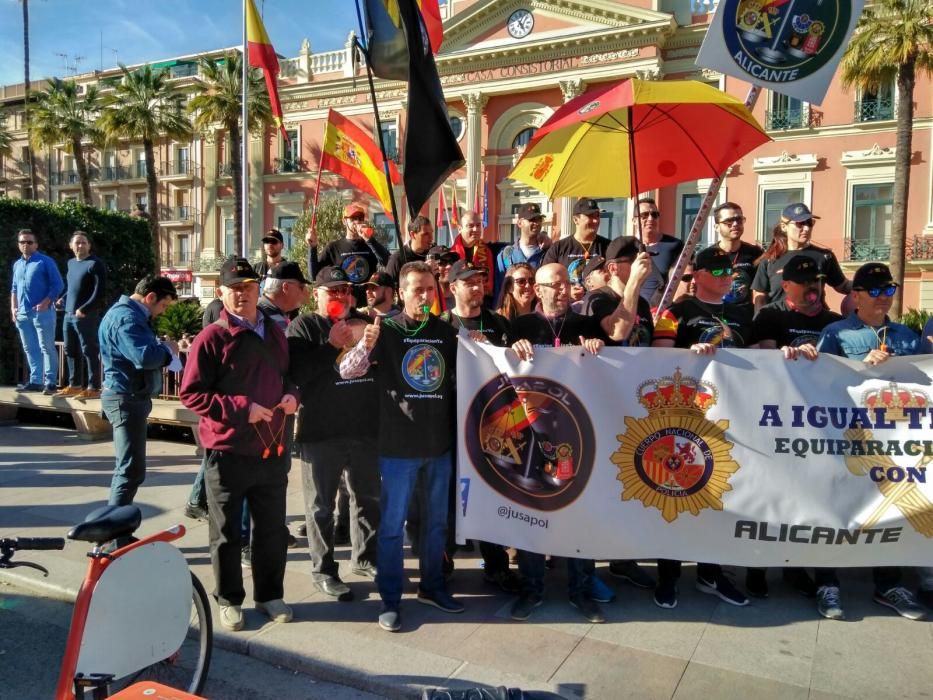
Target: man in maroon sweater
[{"x": 236, "y": 381}]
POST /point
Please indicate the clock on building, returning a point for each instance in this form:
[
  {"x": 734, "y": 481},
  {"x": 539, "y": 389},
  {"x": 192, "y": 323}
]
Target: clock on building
[{"x": 520, "y": 23}]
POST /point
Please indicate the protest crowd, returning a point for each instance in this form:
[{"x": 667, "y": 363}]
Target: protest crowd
[{"x": 333, "y": 388}]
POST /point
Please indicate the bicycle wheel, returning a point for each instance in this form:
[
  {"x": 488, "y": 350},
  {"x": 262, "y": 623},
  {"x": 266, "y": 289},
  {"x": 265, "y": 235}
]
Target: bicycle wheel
[{"x": 187, "y": 668}]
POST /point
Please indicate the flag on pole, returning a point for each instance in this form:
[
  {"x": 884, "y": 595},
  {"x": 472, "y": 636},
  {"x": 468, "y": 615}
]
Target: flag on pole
[
  {"x": 441, "y": 210},
  {"x": 351, "y": 153},
  {"x": 387, "y": 46},
  {"x": 485, "y": 202},
  {"x": 476, "y": 204},
  {"x": 431, "y": 12},
  {"x": 262, "y": 55},
  {"x": 454, "y": 208}
]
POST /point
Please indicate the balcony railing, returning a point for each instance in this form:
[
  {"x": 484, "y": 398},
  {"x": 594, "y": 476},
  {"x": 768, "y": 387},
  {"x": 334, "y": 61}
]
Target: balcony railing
[
  {"x": 111, "y": 173},
  {"x": 779, "y": 119},
  {"x": 68, "y": 177},
  {"x": 289, "y": 165},
  {"x": 225, "y": 170},
  {"x": 874, "y": 109},
  {"x": 178, "y": 213},
  {"x": 177, "y": 167},
  {"x": 865, "y": 251}
]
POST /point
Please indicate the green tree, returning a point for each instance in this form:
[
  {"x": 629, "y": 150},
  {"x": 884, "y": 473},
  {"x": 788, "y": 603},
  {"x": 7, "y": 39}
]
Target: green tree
[
  {"x": 145, "y": 107},
  {"x": 220, "y": 101},
  {"x": 6, "y": 138},
  {"x": 61, "y": 115},
  {"x": 329, "y": 225},
  {"x": 893, "y": 41}
]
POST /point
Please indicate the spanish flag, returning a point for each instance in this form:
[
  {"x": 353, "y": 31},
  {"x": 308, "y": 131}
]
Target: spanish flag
[
  {"x": 351, "y": 153},
  {"x": 262, "y": 55}
]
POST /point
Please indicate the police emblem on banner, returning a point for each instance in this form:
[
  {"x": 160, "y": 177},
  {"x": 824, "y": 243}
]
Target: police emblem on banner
[
  {"x": 675, "y": 460},
  {"x": 531, "y": 440}
]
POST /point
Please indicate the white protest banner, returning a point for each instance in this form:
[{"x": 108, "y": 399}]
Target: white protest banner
[
  {"x": 789, "y": 46},
  {"x": 741, "y": 458}
]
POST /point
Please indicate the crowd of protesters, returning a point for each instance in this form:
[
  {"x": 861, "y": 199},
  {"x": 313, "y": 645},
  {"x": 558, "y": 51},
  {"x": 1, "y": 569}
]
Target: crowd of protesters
[{"x": 362, "y": 390}]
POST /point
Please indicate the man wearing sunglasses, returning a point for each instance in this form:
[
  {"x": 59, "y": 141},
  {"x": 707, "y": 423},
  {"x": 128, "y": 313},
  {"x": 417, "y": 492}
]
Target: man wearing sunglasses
[
  {"x": 664, "y": 249},
  {"x": 730, "y": 226},
  {"x": 793, "y": 236},
  {"x": 273, "y": 244},
  {"x": 575, "y": 251},
  {"x": 867, "y": 334},
  {"x": 358, "y": 254}
]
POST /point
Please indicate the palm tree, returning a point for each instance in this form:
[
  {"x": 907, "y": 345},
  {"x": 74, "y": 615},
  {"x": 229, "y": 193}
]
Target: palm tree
[
  {"x": 30, "y": 156},
  {"x": 62, "y": 116},
  {"x": 220, "y": 102},
  {"x": 145, "y": 107},
  {"x": 893, "y": 41},
  {"x": 6, "y": 138}
]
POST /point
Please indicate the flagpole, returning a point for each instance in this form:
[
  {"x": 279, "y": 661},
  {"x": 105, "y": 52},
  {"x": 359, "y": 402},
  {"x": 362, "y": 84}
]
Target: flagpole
[{"x": 244, "y": 144}]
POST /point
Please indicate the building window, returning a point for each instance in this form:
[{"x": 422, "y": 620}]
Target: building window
[
  {"x": 524, "y": 137},
  {"x": 229, "y": 237},
  {"x": 774, "y": 203},
  {"x": 872, "y": 206},
  {"x": 110, "y": 202},
  {"x": 785, "y": 112},
  {"x": 389, "y": 131},
  {"x": 286, "y": 225},
  {"x": 383, "y": 223},
  {"x": 182, "y": 250},
  {"x": 141, "y": 199},
  {"x": 876, "y": 106},
  {"x": 183, "y": 163},
  {"x": 458, "y": 126},
  {"x": 689, "y": 206},
  {"x": 612, "y": 218}
]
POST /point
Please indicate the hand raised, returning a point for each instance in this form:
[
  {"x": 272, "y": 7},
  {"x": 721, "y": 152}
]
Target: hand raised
[{"x": 371, "y": 333}]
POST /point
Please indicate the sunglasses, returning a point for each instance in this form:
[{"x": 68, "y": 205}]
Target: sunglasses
[
  {"x": 649, "y": 215},
  {"x": 876, "y": 292},
  {"x": 357, "y": 217},
  {"x": 721, "y": 272},
  {"x": 523, "y": 281},
  {"x": 801, "y": 224},
  {"x": 686, "y": 278},
  {"x": 733, "y": 220},
  {"x": 26, "y": 242},
  {"x": 554, "y": 285},
  {"x": 340, "y": 290}
]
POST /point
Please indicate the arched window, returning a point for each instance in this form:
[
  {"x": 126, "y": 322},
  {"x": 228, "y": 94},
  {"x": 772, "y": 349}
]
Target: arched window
[{"x": 524, "y": 136}]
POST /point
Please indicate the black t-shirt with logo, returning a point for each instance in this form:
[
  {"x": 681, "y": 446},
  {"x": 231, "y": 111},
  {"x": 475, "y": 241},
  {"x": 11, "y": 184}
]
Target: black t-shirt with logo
[
  {"x": 416, "y": 383},
  {"x": 494, "y": 327},
  {"x": 602, "y": 302},
  {"x": 786, "y": 326},
  {"x": 692, "y": 321},
  {"x": 770, "y": 273},
  {"x": 743, "y": 273},
  {"x": 543, "y": 332},
  {"x": 570, "y": 253},
  {"x": 359, "y": 259},
  {"x": 665, "y": 253}
]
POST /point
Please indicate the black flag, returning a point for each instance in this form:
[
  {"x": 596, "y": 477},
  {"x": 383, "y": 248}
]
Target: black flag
[{"x": 386, "y": 48}]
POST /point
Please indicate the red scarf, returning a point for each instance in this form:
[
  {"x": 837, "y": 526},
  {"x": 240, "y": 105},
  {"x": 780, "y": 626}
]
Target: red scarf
[{"x": 482, "y": 258}]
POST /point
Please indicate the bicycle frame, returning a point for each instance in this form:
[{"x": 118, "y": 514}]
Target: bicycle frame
[{"x": 100, "y": 563}]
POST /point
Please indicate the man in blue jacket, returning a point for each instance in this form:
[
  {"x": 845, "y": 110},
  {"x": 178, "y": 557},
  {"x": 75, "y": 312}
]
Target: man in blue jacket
[
  {"x": 133, "y": 358},
  {"x": 37, "y": 283}
]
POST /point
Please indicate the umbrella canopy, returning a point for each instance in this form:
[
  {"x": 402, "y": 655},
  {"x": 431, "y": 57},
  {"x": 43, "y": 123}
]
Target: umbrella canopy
[{"x": 620, "y": 139}]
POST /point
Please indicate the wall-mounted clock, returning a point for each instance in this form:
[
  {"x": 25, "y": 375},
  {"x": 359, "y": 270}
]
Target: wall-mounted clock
[{"x": 520, "y": 24}]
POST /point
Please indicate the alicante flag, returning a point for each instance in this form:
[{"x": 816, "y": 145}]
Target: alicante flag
[
  {"x": 351, "y": 153},
  {"x": 262, "y": 55}
]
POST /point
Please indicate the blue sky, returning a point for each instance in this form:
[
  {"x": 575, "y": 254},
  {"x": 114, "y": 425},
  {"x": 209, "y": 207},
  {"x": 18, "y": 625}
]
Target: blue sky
[{"x": 149, "y": 30}]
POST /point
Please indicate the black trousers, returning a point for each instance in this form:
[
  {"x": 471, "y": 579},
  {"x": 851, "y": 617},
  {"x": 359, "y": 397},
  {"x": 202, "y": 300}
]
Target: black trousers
[
  {"x": 884, "y": 577},
  {"x": 669, "y": 571},
  {"x": 230, "y": 479}
]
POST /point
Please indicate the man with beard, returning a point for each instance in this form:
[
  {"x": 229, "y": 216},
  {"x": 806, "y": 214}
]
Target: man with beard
[
  {"x": 575, "y": 251},
  {"x": 730, "y": 226},
  {"x": 380, "y": 296},
  {"x": 420, "y": 241}
]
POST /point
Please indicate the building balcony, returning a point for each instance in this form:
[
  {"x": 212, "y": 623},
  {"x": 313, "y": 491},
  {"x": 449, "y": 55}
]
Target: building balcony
[
  {"x": 66, "y": 178},
  {"x": 136, "y": 171},
  {"x": 874, "y": 110},
  {"x": 19, "y": 171},
  {"x": 224, "y": 170},
  {"x": 783, "y": 119},
  {"x": 289, "y": 165},
  {"x": 110, "y": 174},
  {"x": 179, "y": 215},
  {"x": 866, "y": 250},
  {"x": 177, "y": 170}
]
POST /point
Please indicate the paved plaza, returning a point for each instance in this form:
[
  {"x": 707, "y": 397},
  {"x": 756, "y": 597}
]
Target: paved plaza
[{"x": 774, "y": 648}]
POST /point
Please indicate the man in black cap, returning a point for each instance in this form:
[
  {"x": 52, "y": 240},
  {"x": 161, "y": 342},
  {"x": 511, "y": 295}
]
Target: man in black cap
[
  {"x": 575, "y": 251},
  {"x": 380, "y": 296},
  {"x": 664, "y": 249},
  {"x": 273, "y": 243},
  {"x": 285, "y": 291},
  {"x": 420, "y": 241},
  {"x": 236, "y": 381},
  {"x": 334, "y": 443},
  {"x": 358, "y": 253},
  {"x": 627, "y": 267},
  {"x": 440, "y": 258},
  {"x": 528, "y": 247},
  {"x": 793, "y": 237}
]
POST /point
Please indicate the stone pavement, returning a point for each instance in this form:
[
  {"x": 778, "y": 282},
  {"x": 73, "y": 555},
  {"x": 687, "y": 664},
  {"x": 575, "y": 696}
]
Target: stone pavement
[{"x": 775, "y": 648}]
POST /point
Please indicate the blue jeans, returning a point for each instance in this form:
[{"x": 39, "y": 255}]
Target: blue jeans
[
  {"x": 531, "y": 566},
  {"x": 81, "y": 347},
  {"x": 399, "y": 476},
  {"x": 37, "y": 333},
  {"x": 127, "y": 414}
]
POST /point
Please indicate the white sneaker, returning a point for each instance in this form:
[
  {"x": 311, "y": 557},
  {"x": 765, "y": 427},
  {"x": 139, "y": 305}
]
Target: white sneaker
[
  {"x": 231, "y": 617},
  {"x": 276, "y": 610}
]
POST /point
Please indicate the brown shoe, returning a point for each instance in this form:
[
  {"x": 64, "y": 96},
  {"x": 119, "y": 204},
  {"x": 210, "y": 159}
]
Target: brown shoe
[
  {"x": 69, "y": 391},
  {"x": 89, "y": 394}
]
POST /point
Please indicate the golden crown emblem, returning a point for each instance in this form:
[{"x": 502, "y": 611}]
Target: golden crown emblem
[
  {"x": 677, "y": 394},
  {"x": 894, "y": 399}
]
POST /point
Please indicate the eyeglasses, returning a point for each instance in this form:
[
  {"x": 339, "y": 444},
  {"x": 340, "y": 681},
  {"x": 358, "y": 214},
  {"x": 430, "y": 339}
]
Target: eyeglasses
[
  {"x": 357, "y": 217},
  {"x": 733, "y": 220},
  {"x": 800, "y": 224},
  {"x": 721, "y": 272},
  {"x": 649, "y": 215},
  {"x": 26, "y": 242},
  {"x": 876, "y": 292},
  {"x": 554, "y": 285},
  {"x": 339, "y": 290},
  {"x": 523, "y": 281}
]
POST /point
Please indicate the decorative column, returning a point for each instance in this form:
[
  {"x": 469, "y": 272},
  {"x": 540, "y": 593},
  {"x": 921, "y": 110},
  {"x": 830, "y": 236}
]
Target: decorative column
[
  {"x": 474, "y": 101},
  {"x": 570, "y": 89},
  {"x": 304, "y": 62}
]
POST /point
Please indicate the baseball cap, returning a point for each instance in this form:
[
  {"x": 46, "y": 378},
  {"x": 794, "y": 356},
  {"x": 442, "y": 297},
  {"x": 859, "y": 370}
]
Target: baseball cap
[
  {"x": 585, "y": 205},
  {"x": 273, "y": 234},
  {"x": 623, "y": 247},
  {"x": 443, "y": 253},
  {"x": 236, "y": 270},
  {"x": 352, "y": 209},
  {"x": 462, "y": 270},
  {"x": 797, "y": 212},
  {"x": 871, "y": 276},
  {"x": 331, "y": 276},
  {"x": 379, "y": 279},
  {"x": 596, "y": 262},
  {"x": 530, "y": 211},
  {"x": 712, "y": 258},
  {"x": 287, "y": 270},
  {"x": 801, "y": 268}
]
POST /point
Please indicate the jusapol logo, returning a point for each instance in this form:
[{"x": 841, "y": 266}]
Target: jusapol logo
[{"x": 423, "y": 368}]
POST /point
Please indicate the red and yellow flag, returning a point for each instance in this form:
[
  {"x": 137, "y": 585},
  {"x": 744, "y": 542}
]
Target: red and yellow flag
[
  {"x": 262, "y": 55},
  {"x": 431, "y": 14},
  {"x": 351, "y": 153},
  {"x": 455, "y": 209}
]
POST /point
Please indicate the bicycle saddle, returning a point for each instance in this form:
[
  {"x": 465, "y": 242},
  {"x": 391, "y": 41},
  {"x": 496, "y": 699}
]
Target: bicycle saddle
[{"x": 107, "y": 523}]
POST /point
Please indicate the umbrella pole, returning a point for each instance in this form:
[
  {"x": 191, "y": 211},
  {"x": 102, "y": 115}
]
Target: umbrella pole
[
  {"x": 631, "y": 158},
  {"x": 699, "y": 222}
]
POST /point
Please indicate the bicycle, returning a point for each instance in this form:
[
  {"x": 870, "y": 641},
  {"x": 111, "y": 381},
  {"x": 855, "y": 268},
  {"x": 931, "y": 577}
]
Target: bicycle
[{"x": 113, "y": 641}]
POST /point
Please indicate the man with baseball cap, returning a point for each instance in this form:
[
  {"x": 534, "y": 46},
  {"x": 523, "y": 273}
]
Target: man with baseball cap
[
  {"x": 575, "y": 251},
  {"x": 236, "y": 380},
  {"x": 358, "y": 253},
  {"x": 273, "y": 244},
  {"x": 528, "y": 247},
  {"x": 867, "y": 334},
  {"x": 793, "y": 236},
  {"x": 380, "y": 296},
  {"x": 627, "y": 266},
  {"x": 441, "y": 258},
  {"x": 285, "y": 291}
]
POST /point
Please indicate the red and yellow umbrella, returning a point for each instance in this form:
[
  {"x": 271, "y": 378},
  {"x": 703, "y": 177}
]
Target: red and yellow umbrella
[{"x": 620, "y": 139}]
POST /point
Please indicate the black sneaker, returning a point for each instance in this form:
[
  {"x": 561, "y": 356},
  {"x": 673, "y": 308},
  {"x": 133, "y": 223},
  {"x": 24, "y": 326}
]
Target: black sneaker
[
  {"x": 527, "y": 601},
  {"x": 50, "y": 390},
  {"x": 901, "y": 601},
  {"x": 195, "y": 512},
  {"x": 441, "y": 600},
  {"x": 756, "y": 583},
  {"x": 588, "y": 607},
  {"x": 27, "y": 388},
  {"x": 827, "y": 603},
  {"x": 723, "y": 589},
  {"x": 630, "y": 572},
  {"x": 506, "y": 580},
  {"x": 665, "y": 595}
]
